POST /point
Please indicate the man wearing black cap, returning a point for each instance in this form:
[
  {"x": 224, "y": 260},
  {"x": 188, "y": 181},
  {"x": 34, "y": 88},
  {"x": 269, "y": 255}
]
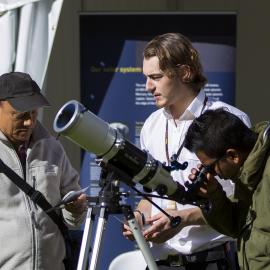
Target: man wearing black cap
[{"x": 30, "y": 239}]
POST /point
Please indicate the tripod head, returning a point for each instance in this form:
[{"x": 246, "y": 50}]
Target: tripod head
[{"x": 109, "y": 195}]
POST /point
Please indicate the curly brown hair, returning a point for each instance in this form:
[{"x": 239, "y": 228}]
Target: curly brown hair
[{"x": 173, "y": 51}]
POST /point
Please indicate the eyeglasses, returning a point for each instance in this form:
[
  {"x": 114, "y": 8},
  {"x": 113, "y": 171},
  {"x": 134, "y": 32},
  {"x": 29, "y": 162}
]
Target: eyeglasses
[{"x": 211, "y": 167}]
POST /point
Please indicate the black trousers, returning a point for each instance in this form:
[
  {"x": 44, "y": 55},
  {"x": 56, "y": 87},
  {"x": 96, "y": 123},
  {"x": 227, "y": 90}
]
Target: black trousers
[
  {"x": 221, "y": 264},
  {"x": 222, "y": 257}
]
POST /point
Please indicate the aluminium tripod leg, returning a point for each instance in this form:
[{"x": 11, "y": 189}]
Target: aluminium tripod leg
[
  {"x": 144, "y": 247},
  {"x": 86, "y": 240},
  {"x": 102, "y": 220}
]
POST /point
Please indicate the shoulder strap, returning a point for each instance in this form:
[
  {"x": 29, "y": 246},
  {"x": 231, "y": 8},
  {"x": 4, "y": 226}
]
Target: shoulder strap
[{"x": 36, "y": 196}]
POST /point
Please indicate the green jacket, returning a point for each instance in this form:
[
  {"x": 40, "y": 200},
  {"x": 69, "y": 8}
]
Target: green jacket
[{"x": 247, "y": 215}]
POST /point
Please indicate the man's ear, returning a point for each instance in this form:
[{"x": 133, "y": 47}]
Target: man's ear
[
  {"x": 186, "y": 74},
  {"x": 233, "y": 156}
]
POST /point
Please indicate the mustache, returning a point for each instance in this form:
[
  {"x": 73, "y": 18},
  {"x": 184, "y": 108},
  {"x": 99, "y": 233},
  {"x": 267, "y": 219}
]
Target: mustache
[{"x": 25, "y": 130}]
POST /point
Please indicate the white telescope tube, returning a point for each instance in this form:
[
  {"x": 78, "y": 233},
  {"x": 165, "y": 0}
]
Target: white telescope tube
[
  {"x": 95, "y": 135},
  {"x": 84, "y": 129}
]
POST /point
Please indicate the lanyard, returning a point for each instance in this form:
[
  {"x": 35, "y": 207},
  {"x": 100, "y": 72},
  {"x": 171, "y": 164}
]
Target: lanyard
[{"x": 174, "y": 157}]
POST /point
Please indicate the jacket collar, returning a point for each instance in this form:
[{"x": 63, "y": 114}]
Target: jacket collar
[{"x": 253, "y": 168}]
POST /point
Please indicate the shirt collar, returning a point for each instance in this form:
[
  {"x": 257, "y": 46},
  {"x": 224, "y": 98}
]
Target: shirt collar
[
  {"x": 193, "y": 110},
  {"x": 196, "y": 106},
  {"x": 23, "y": 146}
]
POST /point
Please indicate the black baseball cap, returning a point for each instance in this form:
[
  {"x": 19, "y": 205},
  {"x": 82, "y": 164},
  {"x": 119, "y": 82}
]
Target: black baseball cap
[{"x": 21, "y": 92}]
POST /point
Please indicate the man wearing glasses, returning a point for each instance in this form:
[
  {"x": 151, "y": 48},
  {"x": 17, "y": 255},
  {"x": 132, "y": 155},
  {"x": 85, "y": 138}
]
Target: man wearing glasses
[{"x": 233, "y": 151}]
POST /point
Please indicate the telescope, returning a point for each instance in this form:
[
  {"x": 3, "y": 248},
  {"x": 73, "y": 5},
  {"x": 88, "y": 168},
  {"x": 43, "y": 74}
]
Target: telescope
[
  {"x": 131, "y": 164},
  {"x": 123, "y": 161}
]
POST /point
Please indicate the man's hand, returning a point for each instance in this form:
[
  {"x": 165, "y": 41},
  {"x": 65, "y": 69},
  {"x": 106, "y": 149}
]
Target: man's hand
[
  {"x": 144, "y": 207},
  {"x": 78, "y": 206},
  {"x": 210, "y": 184},
  {"x": 160, "y": 230},
  {"x": 126, "y": 229}
]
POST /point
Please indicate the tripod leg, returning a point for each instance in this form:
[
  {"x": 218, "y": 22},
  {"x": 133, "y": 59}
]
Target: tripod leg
[
  {"x": 86, "y": 240},
  {"x": 102, "y": 220},
  {"x": 144, "y": 247}
]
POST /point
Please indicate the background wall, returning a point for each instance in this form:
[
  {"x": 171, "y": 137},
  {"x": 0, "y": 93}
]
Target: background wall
[{"x": 253, "y": 43}]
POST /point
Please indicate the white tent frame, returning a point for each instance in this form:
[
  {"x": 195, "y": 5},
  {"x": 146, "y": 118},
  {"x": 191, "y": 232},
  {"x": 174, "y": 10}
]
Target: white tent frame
[{"x": 27, "y": 31}]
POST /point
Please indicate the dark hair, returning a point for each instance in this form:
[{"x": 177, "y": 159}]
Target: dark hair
[
  {"x": 215, "y": 131},
  {"x": 174, "y": 50}
]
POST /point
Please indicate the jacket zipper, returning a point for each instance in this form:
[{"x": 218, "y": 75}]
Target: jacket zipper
[
  {"x": 32, "y": 217},
  {"x": 245, "y": 231},
  {"x": 34, "y": 187},
  {"x": 33, "y": 221},
  {"x": 33, "y": 225}
]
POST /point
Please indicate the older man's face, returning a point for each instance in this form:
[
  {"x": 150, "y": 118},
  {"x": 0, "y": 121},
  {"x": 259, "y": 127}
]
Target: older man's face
[{"x": 17, "y": 126}]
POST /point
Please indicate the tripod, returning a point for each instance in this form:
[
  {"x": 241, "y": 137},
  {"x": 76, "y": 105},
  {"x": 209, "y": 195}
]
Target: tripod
[{"x": 105, "y": 204}]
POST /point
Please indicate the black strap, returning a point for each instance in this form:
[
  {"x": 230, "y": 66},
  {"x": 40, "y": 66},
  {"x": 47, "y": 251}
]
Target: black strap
[{"x": 36, "y": 196}]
